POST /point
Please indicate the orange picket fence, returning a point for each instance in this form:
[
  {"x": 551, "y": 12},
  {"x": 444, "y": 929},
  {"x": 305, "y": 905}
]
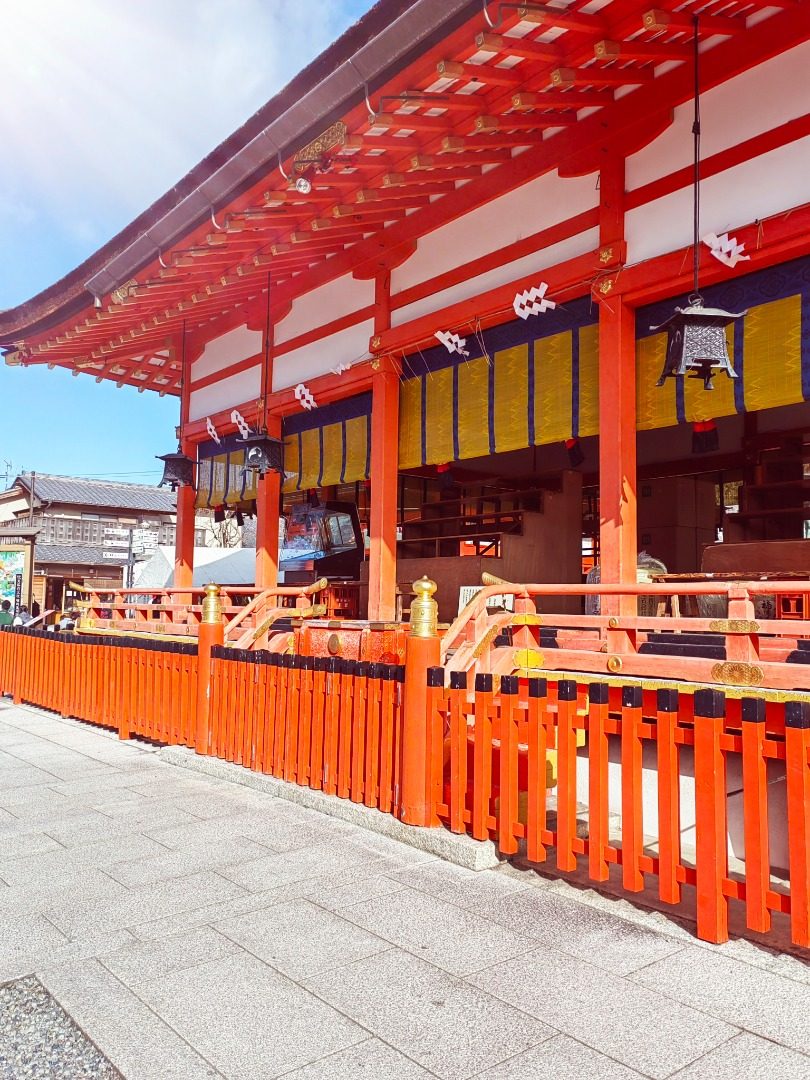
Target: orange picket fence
[
  {"x": 493, "y": 753},
  {"x": 322, "y": 722},
  {"x": 139, "y": 686}
]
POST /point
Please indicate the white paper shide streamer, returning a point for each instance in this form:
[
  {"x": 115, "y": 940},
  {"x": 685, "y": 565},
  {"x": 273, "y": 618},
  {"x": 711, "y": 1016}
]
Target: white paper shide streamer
[
  {"x": 212, "y": 431},
  {"x": 725, "y": 248},
  {"x": 304, "y": 395},
  {"x": 533, "y": 301},
  {"x": 452, "y": 342}
]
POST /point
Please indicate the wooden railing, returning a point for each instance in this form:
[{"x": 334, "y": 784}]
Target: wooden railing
[
  {"x": 738, "y": 650},
  {"x": 248, "y": 612}
]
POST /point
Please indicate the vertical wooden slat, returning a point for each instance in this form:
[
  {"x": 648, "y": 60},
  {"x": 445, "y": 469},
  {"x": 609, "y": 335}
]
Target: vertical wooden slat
[
  {"x": 755, "y": 815},
  {"x": 359, "y": 730},
  {"x": 669, "y": 795},
  {"x": 482, "y": 756},
  {"x": 388, "y": 692},
  {"x": 710, "y": 816},
  {"x": 797, "y": 748},
  {"x": 457, "y": 711},
  {"x": 305, "y": 703},
  {"x": 318, "y": 722},
  {"x": 347, "y": 686},
  {"x": 372, "y": 765},
  {"x": 598, "y": 837},
  {"x": 566, "y": 774},
  {"x": 331, "y": 731},
  {"x": 537, "y": 721},
  {"x": 508, "y": 778},
  {"x": 632, "y": 807}
]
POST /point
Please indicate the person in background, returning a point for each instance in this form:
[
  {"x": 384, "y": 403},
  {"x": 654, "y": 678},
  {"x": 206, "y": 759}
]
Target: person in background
[
  {"x": 68, "y": 620},
  {"x": 6, "y": 617},
  {"x": 35, "y": 610},
  {"x": 23, "y": 616}
]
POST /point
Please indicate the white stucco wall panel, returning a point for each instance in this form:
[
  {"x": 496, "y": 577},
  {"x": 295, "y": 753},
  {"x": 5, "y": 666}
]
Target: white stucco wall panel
[
  {"x": 226, "y": 394},
  {"x": 230, "y": 348},
  {"x": 537, "y": 262},
  {"x": 751, "y": 191},
  {"x": 320, "y": 357},
  {"x": 534, "y": 206},
  {"x": 757, "y": 101},
  {"x": 323, "y": 305}
]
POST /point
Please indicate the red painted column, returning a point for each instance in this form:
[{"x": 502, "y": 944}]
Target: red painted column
[
  {"x": 382, "y": 564},
  {"x": 267, "y": 518},
  {"x": 617, "y": 410},
  {"x": 184, "y": 538}
]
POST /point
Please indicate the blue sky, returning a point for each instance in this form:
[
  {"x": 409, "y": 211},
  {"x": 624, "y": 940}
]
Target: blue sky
[{"x": 105, "y": 107}]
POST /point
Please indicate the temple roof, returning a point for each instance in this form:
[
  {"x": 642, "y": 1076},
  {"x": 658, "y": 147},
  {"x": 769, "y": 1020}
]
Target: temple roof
[
  {"x": 79, "y": 491},
  {"x": 417, "y": 115}
]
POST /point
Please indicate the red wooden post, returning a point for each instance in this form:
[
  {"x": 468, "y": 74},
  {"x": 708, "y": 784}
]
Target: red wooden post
[
  {"x": 184, "y": 543},
  {"x": 458, "y": 750},
  {"x": 755, "y": 815},
  {"x": 617, "y": 408},
  {"x": 632, "y": 811},
  {"x": 598, "y": 839},
  {"x": 538, "y": 755},
  {"x": 797, "y": 750},
  {"x": 710, "y": 816},
  {"x": 422, "y": 651},
  {"x": 566, "y": 774},
  {"x": 508, "y": 778},
  {"x": 669, "y": 796},
  {"x": 212, "y": 632},
  {"x": 382, "y": 564},
  {"x": 268, "y": 494}
]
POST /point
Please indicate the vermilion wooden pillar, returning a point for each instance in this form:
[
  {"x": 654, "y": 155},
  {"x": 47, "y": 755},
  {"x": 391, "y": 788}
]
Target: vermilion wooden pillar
[
  {"x": 382, "y": 564},
  {"x": 184, "y": 538},
  {"x": 617, "y": 410},
  {"x": 267, "y": 517}
]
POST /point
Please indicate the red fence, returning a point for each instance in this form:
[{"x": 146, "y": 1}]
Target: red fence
[
  {"x": 139, "y": 686},
  {"x": 322, "y": 722},
  {"x": 489, "y": 754}
]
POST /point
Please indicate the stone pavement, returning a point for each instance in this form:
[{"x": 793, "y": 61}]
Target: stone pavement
[{"x": 193, "y": 928}]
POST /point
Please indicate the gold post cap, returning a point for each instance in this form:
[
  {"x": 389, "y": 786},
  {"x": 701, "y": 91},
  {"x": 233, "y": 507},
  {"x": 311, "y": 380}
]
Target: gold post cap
[
  {"x": 424, "y": 609},
  {"x": 212, "y": 604}
]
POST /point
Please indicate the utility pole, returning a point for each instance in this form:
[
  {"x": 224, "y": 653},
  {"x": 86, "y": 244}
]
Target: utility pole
[{"x": 130, "y": 558}]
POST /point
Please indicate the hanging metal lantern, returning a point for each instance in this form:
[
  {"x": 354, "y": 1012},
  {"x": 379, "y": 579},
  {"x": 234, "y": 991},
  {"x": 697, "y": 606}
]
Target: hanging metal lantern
[
  {"x": 696, "y": 335},
  {"x": 178, "y": 470},
  {"x": 263, "y": 453},
  {"x": 696, "y": 342}
]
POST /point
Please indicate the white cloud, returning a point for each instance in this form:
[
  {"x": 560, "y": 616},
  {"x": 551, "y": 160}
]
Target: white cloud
[{"x": 106, "y": 106}]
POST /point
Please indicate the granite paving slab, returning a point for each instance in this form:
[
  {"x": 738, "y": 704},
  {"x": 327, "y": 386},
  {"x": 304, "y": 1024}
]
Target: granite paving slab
[
  {"x": 644, "y": 1030},
  {"x": 451, "y": 1028},
  {"x": 369, "y": 1060},
  {"x": 299, "y": 939},
  {"x": 752, "y": 998},
  {"x": 247, "y": 1019}
]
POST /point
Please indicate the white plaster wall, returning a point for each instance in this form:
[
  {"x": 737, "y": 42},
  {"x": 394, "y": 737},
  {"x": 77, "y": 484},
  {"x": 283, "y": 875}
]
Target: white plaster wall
[
  {"x": 320, "y": 357},
  {"x": 226, "y": 394},
  {"x": 753, "y": 190},
  {"x": 528, "y": 209},
  {"x": 324, "y": 305},
  {"x": 534, "y": 263},
  {"x": 757, "y": 101},
  {"x": 227, "y": 349}
]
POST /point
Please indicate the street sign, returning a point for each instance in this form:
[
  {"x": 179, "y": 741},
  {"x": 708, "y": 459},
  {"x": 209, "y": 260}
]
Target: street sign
[
  {"x": 114, "y": 542},
  {"x": 114, "y": 530},
  {"x": 118, "y": 556}
]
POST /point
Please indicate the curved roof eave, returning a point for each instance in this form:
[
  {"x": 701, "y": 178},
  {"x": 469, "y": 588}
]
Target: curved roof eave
[{"x": 369, "y": 52}]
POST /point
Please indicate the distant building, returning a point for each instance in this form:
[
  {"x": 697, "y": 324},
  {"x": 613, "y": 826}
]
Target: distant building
[{"x": 84, "y": 529}]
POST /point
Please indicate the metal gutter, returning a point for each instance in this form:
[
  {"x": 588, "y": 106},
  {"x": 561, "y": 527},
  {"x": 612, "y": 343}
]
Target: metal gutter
[{"x": 301, "y": 115}]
